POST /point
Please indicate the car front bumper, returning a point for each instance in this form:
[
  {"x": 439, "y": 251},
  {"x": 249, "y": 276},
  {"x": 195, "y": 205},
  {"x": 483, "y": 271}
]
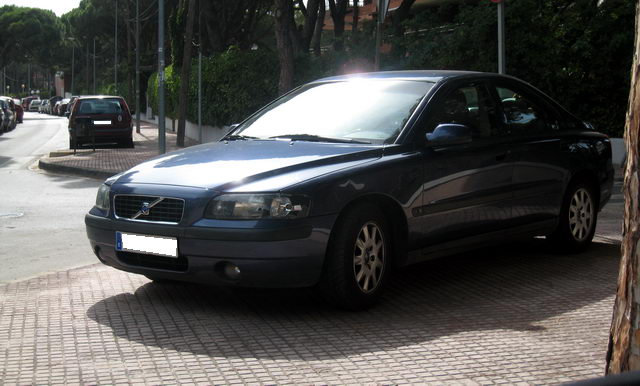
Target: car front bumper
[{"x": 291, "y": 255}]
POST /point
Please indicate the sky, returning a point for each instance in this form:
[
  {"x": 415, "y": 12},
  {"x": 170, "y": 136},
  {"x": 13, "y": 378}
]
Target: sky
[{"x": 58, "y": 7}]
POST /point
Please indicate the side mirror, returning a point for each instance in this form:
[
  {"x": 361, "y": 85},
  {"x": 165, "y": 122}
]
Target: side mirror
[{"x": 449, "y": 134}]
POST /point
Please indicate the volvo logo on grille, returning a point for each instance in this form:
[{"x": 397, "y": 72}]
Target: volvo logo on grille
[{"x": 146, "y": 208}]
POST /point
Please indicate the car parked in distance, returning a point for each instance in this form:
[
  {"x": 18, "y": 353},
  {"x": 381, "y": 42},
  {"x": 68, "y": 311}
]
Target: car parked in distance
[
  {"x": 34, "y": 105},
  {"x": 26, "y": 101},
  {"x": 107, "y": 116},
  {"x": 62, "y": 107},
  {"x": 14, "y": 106},
  {"x": 19, "y": 110},
  {"x": 8, "y": 114},
  {"x": 52, "y": 103},
  {"x": 426, "y": 164},
  {"x": 42, "y": 109},
  {"x": 56, "y": 108}
]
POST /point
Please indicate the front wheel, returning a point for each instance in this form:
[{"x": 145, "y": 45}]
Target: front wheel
[
  {"x": 578, "y": 217},
  {"x": 357, "y": 259}
]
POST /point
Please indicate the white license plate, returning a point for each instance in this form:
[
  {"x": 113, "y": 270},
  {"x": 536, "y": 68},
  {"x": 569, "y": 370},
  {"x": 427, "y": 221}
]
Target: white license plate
[
  {"x": 155, "y": 245},
  {"x": 101, "y": 122}
]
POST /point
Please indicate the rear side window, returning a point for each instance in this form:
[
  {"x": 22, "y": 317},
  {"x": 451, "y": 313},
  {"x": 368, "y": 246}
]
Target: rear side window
[
  {"x": 100, "y": 106},
  {"x": 524, "y": 114}
]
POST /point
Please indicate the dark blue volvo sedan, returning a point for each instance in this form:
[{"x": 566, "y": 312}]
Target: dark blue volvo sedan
[{"x": 343, "y": 178}]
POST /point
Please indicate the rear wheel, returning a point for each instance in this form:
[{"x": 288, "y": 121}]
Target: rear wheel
[
  {"x": 357, "y": 259},
  {"x": 578, "y": 217}
]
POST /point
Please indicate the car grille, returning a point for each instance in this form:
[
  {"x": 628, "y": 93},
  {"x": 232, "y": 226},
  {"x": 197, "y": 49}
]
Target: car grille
[{"x": 160, "y": 209}]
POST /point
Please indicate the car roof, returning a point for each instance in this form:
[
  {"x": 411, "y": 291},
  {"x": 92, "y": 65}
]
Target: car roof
[
  {"x": 425, "y": 75},
  {"x": 99, "y": 97}
]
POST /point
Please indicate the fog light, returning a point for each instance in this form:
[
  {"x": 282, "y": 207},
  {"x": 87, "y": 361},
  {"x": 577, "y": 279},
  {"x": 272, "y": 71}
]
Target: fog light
[{"x": 232, "y": 271}]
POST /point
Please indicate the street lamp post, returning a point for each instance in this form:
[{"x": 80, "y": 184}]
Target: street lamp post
[
  {"x": 115, "y": 53},
  {"x": 73, "y": 53},
  {"x": 137, "y": 68},
  {"x": 161, "y": 133}
]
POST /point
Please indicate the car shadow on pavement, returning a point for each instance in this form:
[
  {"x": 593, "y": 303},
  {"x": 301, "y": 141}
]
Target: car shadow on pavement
[{"x": 515, "y": 287}]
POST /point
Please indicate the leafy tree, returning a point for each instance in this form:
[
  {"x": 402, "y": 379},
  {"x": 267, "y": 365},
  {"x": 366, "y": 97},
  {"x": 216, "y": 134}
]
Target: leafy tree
[
  {"x": 576, "y": 50},
  {"x": 28, "y": 35}
]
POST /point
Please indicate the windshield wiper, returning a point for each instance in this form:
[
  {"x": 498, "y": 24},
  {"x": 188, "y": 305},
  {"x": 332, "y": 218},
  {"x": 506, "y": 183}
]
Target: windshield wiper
[
  {"x": 316, "y": 138},
  {"x": 237, "y": 137}
]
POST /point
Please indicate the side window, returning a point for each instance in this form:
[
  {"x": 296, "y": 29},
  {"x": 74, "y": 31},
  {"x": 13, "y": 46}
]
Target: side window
[
  {"x": 468, "y": 105},
  {"x": 523, "y": 114}
]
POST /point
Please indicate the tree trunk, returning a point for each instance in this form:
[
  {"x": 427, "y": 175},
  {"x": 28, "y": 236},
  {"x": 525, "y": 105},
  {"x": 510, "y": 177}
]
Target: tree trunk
[
  {"x": 401, "y": 15},
  {"x": 338, "y": 12},
  {"x": 183, "y": 99},
  {"x": 624, "y": 339},
  {"x": 310, "y": 20},
  {"x": 317, "y": 33},
  {"x": 284, "y": 12},
  {"x": 354, "y": 22}
]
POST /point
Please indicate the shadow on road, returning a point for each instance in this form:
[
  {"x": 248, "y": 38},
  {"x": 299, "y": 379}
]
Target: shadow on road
[{"x": 513, "y": 287}]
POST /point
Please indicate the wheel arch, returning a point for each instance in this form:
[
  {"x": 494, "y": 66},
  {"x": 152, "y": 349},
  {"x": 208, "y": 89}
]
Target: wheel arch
[
  {"x": 589, "y": 177},
  {"x": 395, "y": 217}
]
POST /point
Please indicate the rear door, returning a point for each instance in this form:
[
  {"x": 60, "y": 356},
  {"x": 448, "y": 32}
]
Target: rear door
[{"x": 539, "y": 166}]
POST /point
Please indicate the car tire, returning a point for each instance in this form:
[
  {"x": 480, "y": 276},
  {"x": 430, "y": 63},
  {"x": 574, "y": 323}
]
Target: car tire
[
  {"x": 357, "y": 259},
  {"x": 578, "y": 218}
]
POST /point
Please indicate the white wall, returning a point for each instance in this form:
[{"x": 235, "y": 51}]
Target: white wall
[
  {"x": 618, "y": 150},
  {"x": 209, "y": 133}
]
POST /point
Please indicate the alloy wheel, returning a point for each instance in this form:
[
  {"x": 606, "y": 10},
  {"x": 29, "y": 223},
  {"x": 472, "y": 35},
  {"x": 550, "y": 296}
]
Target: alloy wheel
[
  {"x": 369, "y": 257},
  {"x": 581, "y": 214}
]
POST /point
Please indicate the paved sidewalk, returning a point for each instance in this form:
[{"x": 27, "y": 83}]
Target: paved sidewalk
[
  {"x": 515, "y": 314},
  {"x": 107, "y": 161}
]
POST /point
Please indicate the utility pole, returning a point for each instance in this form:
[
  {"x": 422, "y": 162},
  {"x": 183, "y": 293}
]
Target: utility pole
[
  {"x": 115, "y": 53},
  {"x": 73, "y": 53},
  {"x": 137, "y": 104},
  {"x": 501, "y": 49},
  {"x": 161, "y": 133},
  {"x": 87, "y": 67},
  {"x": 29, "y": 78},
  {"x": 94, "y": 65},
  {"x": 199, "y": 76}
]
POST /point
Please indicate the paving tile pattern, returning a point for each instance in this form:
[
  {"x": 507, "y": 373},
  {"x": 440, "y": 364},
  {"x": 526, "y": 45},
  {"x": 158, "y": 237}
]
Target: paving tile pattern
[
  {"x": 516, "y": 314},
  {"x": 110, "y": 160}
]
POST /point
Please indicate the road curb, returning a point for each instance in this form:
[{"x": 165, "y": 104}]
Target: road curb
[{"x": 77, "y": 171}]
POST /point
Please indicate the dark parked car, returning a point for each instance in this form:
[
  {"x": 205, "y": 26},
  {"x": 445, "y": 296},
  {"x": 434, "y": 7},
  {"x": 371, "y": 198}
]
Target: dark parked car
[
  {"x": 52, "y": 103},
  {"x": 316, "y": 190},
  {"x": 19, "y": 110},
  {"x": 8, "y": 114},
  {"x": 107, "y": 116}
]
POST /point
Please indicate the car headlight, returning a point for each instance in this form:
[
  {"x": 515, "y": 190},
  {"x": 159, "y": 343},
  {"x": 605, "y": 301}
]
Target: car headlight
[
  {"x": 255, "y": 206},
  {"x": 102, "y": 199}
]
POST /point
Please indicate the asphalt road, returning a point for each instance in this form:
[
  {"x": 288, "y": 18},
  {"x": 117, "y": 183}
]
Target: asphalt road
[{"x": 41, "y": 215}]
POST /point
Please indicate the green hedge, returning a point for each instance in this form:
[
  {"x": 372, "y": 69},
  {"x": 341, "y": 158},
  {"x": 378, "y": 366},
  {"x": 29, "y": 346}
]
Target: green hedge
[{"x": 234, "y": 85}]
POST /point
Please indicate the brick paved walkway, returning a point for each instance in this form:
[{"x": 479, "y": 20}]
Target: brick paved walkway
[
  {"x": 506, "y": 315},
  {"x": 107, "y": 160}
]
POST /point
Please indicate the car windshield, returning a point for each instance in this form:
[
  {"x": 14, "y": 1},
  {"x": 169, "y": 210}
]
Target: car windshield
[
  {"x": 100, "y": 106},
  {"x": 357, "y": 110}
]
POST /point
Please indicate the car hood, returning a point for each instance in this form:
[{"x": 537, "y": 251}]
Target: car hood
[{"x": 252, "y": 164}]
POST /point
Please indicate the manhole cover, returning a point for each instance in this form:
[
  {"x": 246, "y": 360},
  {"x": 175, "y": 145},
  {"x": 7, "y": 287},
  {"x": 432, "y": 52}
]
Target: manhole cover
[{"x": 11, "y": 215}]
